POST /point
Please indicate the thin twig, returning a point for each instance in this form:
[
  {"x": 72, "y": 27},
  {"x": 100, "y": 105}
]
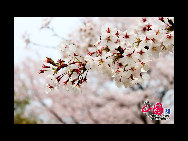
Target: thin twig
[
  {"x": 54, "y": 32},
  {"x": 40, "y": 45}
]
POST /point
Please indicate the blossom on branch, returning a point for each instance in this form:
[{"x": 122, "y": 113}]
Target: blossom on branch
[{"x": 124, "y": 56}]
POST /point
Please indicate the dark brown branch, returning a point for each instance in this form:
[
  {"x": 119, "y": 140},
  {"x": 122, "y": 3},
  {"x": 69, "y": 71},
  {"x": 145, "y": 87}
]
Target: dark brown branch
[
  {"x": 91, "y": 116},
  {"x": 50, "y": 110}
]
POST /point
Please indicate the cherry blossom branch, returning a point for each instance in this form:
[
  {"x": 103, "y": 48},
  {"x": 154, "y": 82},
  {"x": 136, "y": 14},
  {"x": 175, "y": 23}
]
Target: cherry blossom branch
[
  {"x": 46, "y": 25},
  {"x": 122, "y": 55}
]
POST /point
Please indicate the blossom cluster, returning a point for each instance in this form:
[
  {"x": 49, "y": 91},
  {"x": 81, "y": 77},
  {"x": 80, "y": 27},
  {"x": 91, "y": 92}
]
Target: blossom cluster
[
  {"x": 122, "y": 55},
  {"x": 85, "y": 36}
]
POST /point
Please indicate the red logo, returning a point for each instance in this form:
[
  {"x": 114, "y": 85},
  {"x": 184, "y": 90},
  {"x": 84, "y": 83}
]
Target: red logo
[{"x": 158, "y": 111}]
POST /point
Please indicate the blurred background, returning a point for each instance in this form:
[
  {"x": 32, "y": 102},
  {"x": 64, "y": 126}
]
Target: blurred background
[{"x": 100, "y": 102}]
